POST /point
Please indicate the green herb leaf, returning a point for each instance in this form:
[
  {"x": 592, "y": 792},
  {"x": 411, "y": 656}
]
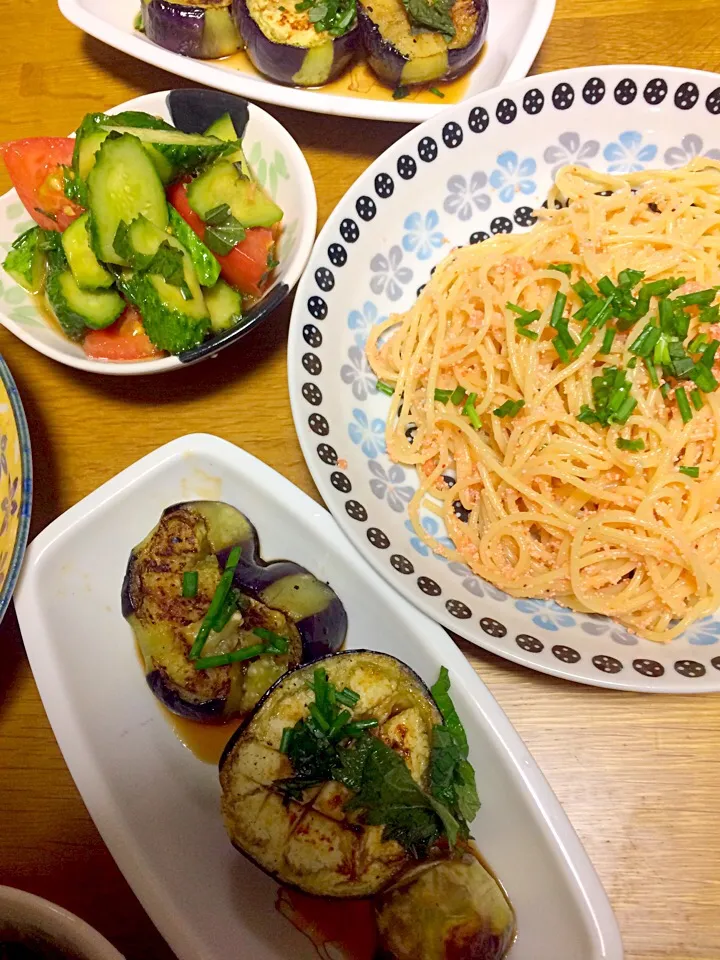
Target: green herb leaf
[
  {"x": 432, "y": 15},
  {"x": 441, "y": 695},
  {"x": 190, "y": 583},
  {"x": 169, "y": 263},
  {"x": 399, "y": 93}
]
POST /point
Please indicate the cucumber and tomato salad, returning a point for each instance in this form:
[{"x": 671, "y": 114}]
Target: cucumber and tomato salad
[{"x": 147, "y": 239}]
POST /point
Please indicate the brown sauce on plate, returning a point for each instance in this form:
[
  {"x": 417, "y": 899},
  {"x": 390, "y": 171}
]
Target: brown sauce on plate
[
  {"x": 206, "y": 741},
  {"x": 360, "y": 81}
]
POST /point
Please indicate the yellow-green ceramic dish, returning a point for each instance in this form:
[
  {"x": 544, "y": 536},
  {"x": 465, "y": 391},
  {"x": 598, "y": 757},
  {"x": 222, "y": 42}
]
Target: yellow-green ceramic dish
[{"x": 15, "y": 485}]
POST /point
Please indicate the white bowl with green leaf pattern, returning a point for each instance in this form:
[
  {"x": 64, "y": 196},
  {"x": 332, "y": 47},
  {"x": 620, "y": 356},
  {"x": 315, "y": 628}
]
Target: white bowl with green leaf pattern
[{"x": 280, "y": 167}]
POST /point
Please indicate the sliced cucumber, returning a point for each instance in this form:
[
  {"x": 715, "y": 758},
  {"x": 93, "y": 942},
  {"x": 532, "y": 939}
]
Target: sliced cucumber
[
  {"x": 206, "y": 266},
  {"x": 142, "y": 241},
  {"x": 225, "y": 306},
  {"x": 175, "y": 152},
  {"x": 25, "y": 261},
  {"x": 164, "y": 312},
  {"x": 87, "y": 270},
  {"x": 78, "y": 309},
  {"x": 223, "y": 128},
  {"x": 122, "y": 186},
  {"x": 222, "y": 183}
]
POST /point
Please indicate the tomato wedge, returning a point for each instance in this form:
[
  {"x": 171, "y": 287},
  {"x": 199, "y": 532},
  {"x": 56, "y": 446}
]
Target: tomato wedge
[
  {"x": 123, "y": 340},
  {"x": 247, "y": 263},
  {"x": 35, "y": 166}
]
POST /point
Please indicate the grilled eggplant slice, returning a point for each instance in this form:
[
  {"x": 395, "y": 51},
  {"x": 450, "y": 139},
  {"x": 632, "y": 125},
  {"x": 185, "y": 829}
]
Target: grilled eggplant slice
[
  {"x": 314, "y": 845},
  {"x": 445, "y": 910},
  {"x": 402, "y": 57},
  {"x": 283, "y": 43},
  {"x": 204, "y": 29},
  {"x": 281, "y": 597}
]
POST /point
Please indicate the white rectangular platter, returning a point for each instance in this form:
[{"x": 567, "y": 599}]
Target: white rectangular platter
[
  {"x": 157, "y": 806},
  {"x": 516, "y": 30}
]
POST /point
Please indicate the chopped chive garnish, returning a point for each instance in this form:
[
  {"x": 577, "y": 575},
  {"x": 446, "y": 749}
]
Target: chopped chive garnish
[
  {"x": 561, "y": 349},
  {"x": 660, "y": 288},
  {"x": 583, "y": 289},
  {"x": 696, "y": 398},
  {"x": 583, "y": 342},
  {"x": 524, "y": 332},
  {"x": 442, "y": 396},
  {"x": 470, "y": 412},
  {"x": 437, "y": 93},
  {"x": 383, "y": 387},
  {"x": 666, "y": 315},
  {"x": 632, "y": 445},
  {"x": 223, "y": 618},
  {"x": 225, "y": 659},
  {"x": 697, "y": 343},
  {"x": 217, "y": 604},
  {"x": 683, "y": 405},
  {"x": 606, "y": 287},
  {"x": 703, "y": 378},
  {"x": 347, "y": 697},
  {"x": 564, "y": 334},
  {"x": 524, "y": 316},
  {"x": 693, "y": 472},
  {"x": 509, "y": 409},
  {"x": 565, "y": 268},
  {"x": 708, "y": 355},
  {"x": 632, "y": 363},
  {"x": 457, "y": 396},
  {"x": 190, "y": 583},
  {"x": 709, "y": 315},
  {"x": 652, "y": 372},
  {"x": 357, "y": 727},
  {"x": 274, "y": 640},
  {"x": 665, "y": 390},
  {"x": 625, "y": 410},
  {"x": 285, "y": 739},
  {"x": 702, "y": 298},
  {"x": 557, "y": 309},
  {"x": 644, "y": 345},
  {"x": 399, "y": 93},
  {"x": 630, "y": 278}
]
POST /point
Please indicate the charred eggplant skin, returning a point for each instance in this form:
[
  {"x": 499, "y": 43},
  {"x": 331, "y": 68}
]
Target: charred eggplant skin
[
  {"x": 295, "y": 64},
  {"x": 250, "y": 805},
  {"x": 205, "y": 30},
  {"x": 280, "y": 596},
  {"x": 425, "y": 57}
]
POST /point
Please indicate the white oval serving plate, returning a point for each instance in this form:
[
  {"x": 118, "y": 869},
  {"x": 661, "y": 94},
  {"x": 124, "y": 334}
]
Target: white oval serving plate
[
  {"x": 157, "y": 806},
  {"x": 277, "y": 162},
  {"x": 477, "y": 169},
  {"x": 516, "y": 30}
]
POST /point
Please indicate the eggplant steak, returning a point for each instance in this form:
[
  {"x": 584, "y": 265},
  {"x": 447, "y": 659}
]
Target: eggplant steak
[
  {"x": 205, "y": 30},
  {"x": 291, "y": 45},
  {"x": 217, "y": 626},
  {"x": 451, "y": 908},
  {"x": 424, "y": 42},
  {"x": 306, "y": 838}
]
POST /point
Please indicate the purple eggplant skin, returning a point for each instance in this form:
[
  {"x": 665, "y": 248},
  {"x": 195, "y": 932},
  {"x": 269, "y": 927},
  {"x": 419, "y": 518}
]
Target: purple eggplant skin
[
  {"x": 291, "y": 64},
  {"x": 174, "y": 699},
  {"x": 205, "y": 30},
  {"x": 435, "y": 59}
]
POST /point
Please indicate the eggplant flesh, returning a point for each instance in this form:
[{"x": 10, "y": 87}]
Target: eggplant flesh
[
  {"x": 281, "y": 597},
  {"x": 400, "y": 56},
  {"x": 205, "y": 30},
  {"x": 450, "y": 909},
  {"x": 283, "y": 44},
  {"x": 314, "y": 845}
]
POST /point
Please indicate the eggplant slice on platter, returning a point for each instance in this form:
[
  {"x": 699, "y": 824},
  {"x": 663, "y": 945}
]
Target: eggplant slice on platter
[
  {"x": 198, "y": 576},
  {"x": 205, "y": 30}
]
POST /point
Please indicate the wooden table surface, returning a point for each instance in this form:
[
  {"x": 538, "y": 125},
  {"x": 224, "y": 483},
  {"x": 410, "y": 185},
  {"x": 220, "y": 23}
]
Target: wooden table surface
[{"x": 639, "y": 776}]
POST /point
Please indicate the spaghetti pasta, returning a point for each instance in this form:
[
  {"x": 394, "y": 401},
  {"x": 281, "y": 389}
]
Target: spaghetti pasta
[{"x": 560, "y": 402}]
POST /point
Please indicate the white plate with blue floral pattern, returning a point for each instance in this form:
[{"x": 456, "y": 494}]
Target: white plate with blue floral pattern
[{"x": 478, "y": 169}]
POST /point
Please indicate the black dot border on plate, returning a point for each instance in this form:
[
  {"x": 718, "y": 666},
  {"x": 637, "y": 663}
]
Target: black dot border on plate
[{"x": 562, "y": 95}]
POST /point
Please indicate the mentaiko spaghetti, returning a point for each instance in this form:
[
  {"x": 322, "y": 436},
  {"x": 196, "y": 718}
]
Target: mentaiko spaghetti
[{"x": 556, "y": 390}]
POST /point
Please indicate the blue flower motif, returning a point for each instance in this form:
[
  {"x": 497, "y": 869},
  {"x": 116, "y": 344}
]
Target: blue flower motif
[
  {"x": 627, "y": 155},
  {"x": 369, "y": 435},
  {"x": 390, "y": 482},
  {"x": 470, "y": 582},
  {"x": 691, "y": 146},
  {"x": 389, "y": 275},
  {"x": 431, "y": 526},
  {"x": 513, "y": 175},
  {"x": 570, "y": 149},
  {"x": 703, "y": 632},
  {"x": 358, "y": 373},
  {"x": 362, "y": 321},
  {"x": 422, "y": 237},
  {"x": 546, "y": 614},
  {"x": 463, "y": 195},
  {"x": 597, "y": 625}
]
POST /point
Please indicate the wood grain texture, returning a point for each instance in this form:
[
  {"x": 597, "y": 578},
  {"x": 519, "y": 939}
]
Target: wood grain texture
[{"x": 639, "y": 776}]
